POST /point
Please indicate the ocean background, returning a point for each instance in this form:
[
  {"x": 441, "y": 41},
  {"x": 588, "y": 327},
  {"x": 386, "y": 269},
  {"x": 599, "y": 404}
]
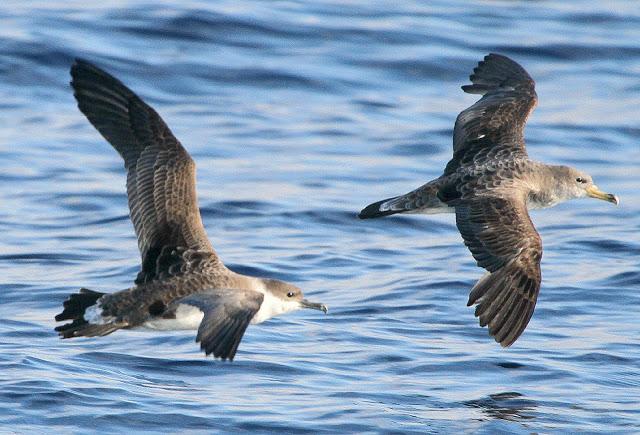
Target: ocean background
[{"x": 298, "y": 114}]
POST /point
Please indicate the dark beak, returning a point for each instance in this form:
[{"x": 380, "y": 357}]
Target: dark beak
[{"x": 314, "y": 305}]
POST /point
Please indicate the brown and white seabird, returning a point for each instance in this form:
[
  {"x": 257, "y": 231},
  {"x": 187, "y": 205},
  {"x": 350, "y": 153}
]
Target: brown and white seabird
[
  {"x": 490, "y": 183},
  {"x": 182, "y": 283}
]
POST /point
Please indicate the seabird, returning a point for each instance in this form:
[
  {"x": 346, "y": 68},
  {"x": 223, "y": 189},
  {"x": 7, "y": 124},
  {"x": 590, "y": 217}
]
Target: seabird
[
  {"x": 490, "y": 183},
  {"x": 182, "y": 283}
]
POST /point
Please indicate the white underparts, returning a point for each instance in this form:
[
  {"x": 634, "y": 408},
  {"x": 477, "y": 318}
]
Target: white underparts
[{"x": 188, "y": 317}]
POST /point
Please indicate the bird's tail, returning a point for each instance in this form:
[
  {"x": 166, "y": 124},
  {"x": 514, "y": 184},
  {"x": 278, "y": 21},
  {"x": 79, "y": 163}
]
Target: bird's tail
[
  {"x": 385, "y": 207},
  {"x": 422, "y": 200},
  {"x": 74, "y": 309}
]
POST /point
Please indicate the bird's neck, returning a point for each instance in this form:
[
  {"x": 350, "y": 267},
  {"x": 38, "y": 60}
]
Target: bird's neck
[
  {"x": 245, "y": 282},
  {"x": 271, "y": 305},
  {"x": 544, "y": 186}
]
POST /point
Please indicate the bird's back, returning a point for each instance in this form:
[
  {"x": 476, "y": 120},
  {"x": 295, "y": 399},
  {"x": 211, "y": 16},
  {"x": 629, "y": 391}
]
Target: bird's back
[{"x": 151, "y": 299}]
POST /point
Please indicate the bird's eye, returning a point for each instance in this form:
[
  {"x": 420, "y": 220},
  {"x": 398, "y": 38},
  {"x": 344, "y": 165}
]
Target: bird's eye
[
  {"x": 291, "y": 294},
  {"x": 581, "y": 180}
]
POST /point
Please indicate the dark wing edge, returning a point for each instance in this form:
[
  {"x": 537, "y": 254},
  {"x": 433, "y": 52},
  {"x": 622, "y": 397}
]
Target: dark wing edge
[
  {"x": 160, "y": 173},
  {"x": 496, "y": 71},
  {"x": 227, "y": 314},
  {"x": 495, "y": 123},
  {"x": 501, "y": 237}
]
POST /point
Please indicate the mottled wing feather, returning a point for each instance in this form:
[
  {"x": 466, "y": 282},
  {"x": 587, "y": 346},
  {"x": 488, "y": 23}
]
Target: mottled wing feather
[
  {"x": 160, "y": 173},
  {"x": 227, "y": 313},
  {"x": 494, "y": 126},
  {"x": 503, "y": 240}
]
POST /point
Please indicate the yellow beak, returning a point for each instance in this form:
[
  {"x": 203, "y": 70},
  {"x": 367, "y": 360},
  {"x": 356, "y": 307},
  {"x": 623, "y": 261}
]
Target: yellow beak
[{"x": 594, "y": 192}]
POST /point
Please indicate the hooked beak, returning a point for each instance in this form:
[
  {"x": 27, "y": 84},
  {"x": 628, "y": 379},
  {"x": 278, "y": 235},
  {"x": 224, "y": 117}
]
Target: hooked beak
[
  {"x": 314, "y": 305},
  {"x": 594, "y": 192}
]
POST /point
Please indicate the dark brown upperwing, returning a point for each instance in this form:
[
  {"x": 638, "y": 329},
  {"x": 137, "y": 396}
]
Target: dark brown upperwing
[
  {"x": 160, "y": 173},
  {"x": 503, "y": 240},
  {"x": 493, "y": 126}
]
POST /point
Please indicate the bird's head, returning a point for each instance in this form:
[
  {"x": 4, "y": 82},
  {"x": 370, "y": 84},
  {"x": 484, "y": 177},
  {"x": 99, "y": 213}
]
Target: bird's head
[
  {"x": 579, "y": 184},
  {"x": 291, "y": 295}
]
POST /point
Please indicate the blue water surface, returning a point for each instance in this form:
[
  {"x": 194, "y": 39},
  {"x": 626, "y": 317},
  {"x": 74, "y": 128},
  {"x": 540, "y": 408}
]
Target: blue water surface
[{"x": 298, "y": 114}]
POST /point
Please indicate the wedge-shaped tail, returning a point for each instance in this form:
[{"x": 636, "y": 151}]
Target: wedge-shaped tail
[
  {"x": 74, "y": 309},
  {"x": 422, "y": 200},
  {"x": 382, "y": 208}
]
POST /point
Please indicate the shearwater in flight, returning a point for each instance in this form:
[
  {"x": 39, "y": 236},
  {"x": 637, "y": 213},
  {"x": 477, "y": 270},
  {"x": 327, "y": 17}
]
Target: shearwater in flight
[
  {"x": 182, "y": 283},
  {"x": 490, "y": 183}
]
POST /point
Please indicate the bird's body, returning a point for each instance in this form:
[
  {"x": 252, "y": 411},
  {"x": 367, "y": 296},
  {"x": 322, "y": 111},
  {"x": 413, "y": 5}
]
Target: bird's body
[
  {"x": 182, "y": 283},
  {"x": 490, "y": 183}
]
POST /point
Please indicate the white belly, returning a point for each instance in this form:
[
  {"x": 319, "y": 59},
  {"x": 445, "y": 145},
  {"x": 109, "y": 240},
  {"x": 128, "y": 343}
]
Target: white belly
[{"x": 188, "y": 317}]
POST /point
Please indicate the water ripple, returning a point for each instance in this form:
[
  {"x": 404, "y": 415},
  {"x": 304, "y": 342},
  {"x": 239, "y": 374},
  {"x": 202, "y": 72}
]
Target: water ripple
[{"x": 298, "y": 115}]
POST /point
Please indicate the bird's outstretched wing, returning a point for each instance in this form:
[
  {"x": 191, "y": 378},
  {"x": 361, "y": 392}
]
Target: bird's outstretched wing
[
  {"x": 227, "y": 313},
  {"x": 503, "y": 240},
  {"x": 160, "y": 173},
  {"x": 493, "y": 126}
]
